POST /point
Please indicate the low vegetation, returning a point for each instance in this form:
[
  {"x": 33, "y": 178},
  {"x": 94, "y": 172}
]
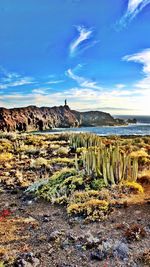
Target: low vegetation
[
  {"x": 90, "y": 176},
  {"x": 60, "y": 167},
  {"x": 96, "y": 165}
]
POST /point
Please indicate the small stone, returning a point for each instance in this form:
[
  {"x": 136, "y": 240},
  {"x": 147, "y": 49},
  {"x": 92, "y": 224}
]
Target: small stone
[
  {"x": 64, "y": 244},
  {"x": 121, "y": 250},
  {"x": 50, "y": 251},
  {"x": 82, "y": 226},
  {"x": 29, "y": 202},
  {"x": 54, "y": 235},
  {"x": 6, "y": 204},
  {"x": 72, "y": 238},
  {"x": 90, "y": 241},
  {"x": 106, "y": 245},
  {"x": 45, "y": 219},
  {"x": 98, "y": 255},
  {"x": 38, "y": 255},
  {"x": 27, "y": 260},
  {"x": 22, "y": 263},
  {"x": 137, "y": 212},
  {"x": 79, "y": 247},
  {"x": 36, "y": 262},
  {"x": 21, "y": 209},
  {"x": 42, "y": 238}
]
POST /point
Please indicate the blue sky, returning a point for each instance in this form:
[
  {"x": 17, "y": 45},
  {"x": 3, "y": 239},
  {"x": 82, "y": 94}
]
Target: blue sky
[{"x": 95, "y": 53}]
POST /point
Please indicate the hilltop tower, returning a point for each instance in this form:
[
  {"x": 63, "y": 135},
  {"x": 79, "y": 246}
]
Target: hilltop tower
[{"x": 65, "y": 102}]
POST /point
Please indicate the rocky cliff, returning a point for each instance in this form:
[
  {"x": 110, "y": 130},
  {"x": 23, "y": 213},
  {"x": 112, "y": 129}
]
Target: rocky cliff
[{"x": 32, "y": 118}]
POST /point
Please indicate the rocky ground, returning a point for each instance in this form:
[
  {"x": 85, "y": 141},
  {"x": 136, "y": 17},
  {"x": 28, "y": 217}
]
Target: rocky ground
[
  {"x": 44, "y": 236},
  {"x": 34, "y": 232}
]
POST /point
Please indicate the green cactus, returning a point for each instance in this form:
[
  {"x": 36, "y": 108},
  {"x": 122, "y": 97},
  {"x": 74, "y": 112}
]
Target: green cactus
[
  {"x": 104, "y": 161},
  {"x": 110, "y": 164}
]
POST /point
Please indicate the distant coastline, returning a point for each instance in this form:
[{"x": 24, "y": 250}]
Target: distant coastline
[{"x": 139, "y": 118}]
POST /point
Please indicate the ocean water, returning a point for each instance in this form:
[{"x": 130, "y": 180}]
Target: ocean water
[{"x": 142, "y": 127}]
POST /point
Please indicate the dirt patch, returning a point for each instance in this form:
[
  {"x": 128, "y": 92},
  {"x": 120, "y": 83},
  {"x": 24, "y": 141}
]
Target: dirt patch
[{"x": 57, "y": 240}]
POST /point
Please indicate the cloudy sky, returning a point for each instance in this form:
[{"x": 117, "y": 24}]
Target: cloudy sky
[{"x": 95, "y": 53}]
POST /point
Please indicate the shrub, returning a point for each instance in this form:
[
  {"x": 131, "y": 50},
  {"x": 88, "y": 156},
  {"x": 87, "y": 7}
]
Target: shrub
[
  {"x": 83, "y": 196},
  {"x": 63, "y": 151},
  {"x": 39, "y": 162},
  {"x": 145, "y": 257},
  {"x": 9, "y": 136},
  {"x": 35, "y": 140},
  {"x": 134, "y": 186},
  {"x": 58, "y": 142},
  {"x": 135, "y": 232},
  {"x": 54, "y": 146},
  {"x": 28, "y": 149},
  {"x": 19, "y": 175},
  {"x": 138, "y": 154},
  {"x": 33, "y": 188},
  {"x": 93, "y": 209},
  {"x": 5, "y": 156},
  {"x": 59, "y": 186},
  {"x": 98, "y": 184},
  {"x": 61, "y": 160},
  {"x": 6, "y": 145},
  {"x": 81, "y": 149}
]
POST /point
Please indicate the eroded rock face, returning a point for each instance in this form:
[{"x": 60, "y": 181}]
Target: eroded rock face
[
  {"x": 95, "y": 118},
  {"x": 32, "y": 118}
]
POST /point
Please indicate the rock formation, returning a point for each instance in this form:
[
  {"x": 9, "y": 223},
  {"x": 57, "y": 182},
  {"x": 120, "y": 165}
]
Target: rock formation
[{"x": 33, "y": 118}]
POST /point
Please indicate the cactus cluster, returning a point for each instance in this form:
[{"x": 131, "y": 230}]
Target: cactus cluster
[
  {"x": 84, "y": 140},
  {"x": 106, "y": 162}
]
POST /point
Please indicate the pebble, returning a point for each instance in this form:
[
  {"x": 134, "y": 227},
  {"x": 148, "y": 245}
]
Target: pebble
[
  {"x": 121, "y": 250},
  {"x": 45, "y": 218},
  {"x": 71, "y": 237},
  {"x": 89, "y": 240},
  {"x": 54, "y": 235},
  {"x": 29, "y": 202},
  {"x": 137, "y": 212},
  {"x": 65, "y": 244},
  {"x": 79, "y": 247},
  {"x": 27, "y": 260},
  {"x": 98, "y": 255}
]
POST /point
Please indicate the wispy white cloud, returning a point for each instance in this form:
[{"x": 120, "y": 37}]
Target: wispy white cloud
[
  {"x": 42, "y": 91},
  {"x": 55, "y": 81},
  {"x": 142, "y": 87},
  {"x": 143, "y": 58},
  {"x": 120, "y": 86},
  {"x": 84, "y": 34},
  {"x": 88, "y": 95},
  {"x": 82, "y": 98},
  {"x": 81, "y": 81},
  {"x": 134, "y": 7},
  {"x": 12, "y": 79}
]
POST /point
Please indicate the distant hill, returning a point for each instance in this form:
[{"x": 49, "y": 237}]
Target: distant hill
[{"x": 33, "y": 118}]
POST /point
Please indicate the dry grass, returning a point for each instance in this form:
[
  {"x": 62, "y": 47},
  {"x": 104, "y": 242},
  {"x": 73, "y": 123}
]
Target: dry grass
[
  {"x": 39, "y": 162},
  {"x": 5, "y": 157}
]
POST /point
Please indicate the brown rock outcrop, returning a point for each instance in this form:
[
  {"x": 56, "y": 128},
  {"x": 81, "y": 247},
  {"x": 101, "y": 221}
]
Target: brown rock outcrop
[{"x": 33, "y": 118}]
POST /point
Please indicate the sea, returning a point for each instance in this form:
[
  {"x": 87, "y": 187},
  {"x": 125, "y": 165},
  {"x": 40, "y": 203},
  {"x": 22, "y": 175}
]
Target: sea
[{"x": 142, "y": 127}]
